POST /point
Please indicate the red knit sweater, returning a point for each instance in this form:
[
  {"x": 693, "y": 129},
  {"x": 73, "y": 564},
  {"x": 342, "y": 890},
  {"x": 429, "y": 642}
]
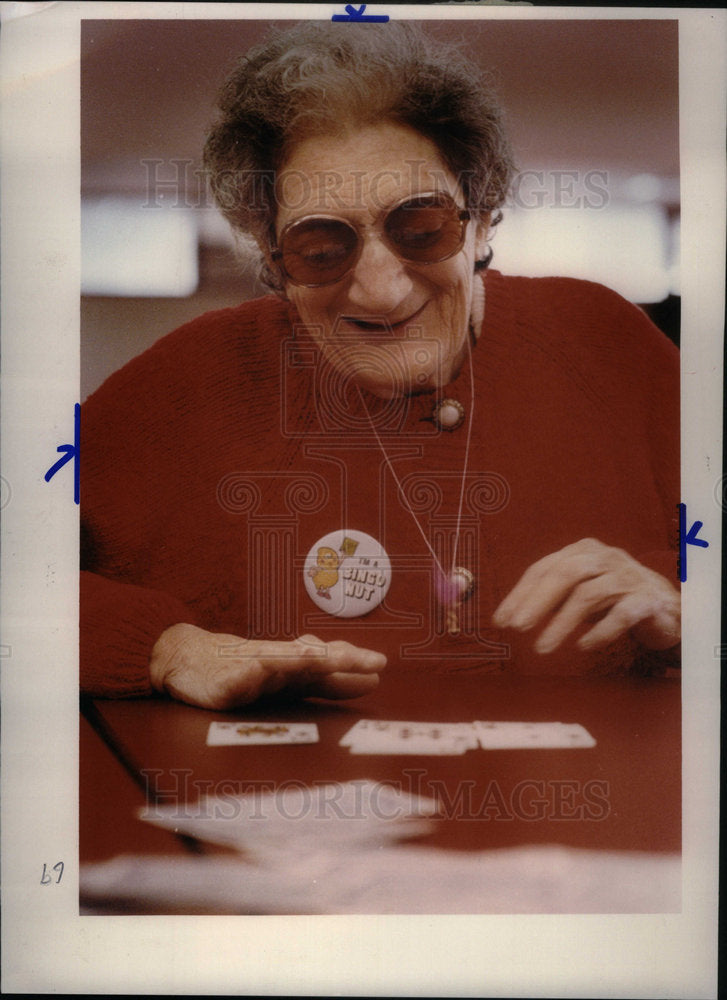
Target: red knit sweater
[{"x": 213, "y": 462}]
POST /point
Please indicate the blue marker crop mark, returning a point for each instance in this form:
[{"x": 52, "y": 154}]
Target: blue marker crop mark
[
  {"x": 70, "y": 451},
  {"x": 688, "y": 537},
  {"x": 357, "y": 14}
]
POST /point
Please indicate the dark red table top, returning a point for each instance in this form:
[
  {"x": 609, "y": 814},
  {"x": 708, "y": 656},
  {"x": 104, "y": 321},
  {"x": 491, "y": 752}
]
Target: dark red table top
[{"x": 622, "y": 794}]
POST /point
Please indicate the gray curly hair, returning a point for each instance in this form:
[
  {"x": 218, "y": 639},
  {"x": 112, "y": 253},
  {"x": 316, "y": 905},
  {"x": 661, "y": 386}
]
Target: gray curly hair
[{"x": 318, "y": 78}]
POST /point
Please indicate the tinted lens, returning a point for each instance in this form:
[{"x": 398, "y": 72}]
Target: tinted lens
[
  {"x": 425, "y": 230},
  {"x": 318, "y": 251}
]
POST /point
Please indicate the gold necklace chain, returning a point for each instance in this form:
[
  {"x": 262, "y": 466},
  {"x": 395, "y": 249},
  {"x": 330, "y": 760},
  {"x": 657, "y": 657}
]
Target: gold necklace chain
[{"x": 456, "y": 586}]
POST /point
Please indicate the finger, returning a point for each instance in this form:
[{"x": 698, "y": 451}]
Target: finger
[
  {"x": 660, "y": 631},
  {"x": 533, "y": 574},
  {"x": 342, "y": 685},
  {"x": 277, "y": 655},
  {"x": 548, "y": 582},
  {"x": 233, "y": 647},
  {"x": 640, "y": 613},
  {"x": 356, "y": 659},
  {"x": 332, "y": 657},
  {"x": 307, "y": 653},
  {"x": 585, "y": 600}
]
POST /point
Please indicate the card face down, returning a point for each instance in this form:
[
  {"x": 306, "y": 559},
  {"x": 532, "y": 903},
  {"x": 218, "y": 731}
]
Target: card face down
[{"x": 224, "y": 734}]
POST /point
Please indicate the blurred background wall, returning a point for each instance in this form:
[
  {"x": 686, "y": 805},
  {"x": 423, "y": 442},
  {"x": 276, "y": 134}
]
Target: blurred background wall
[{"x": 592, "y": 108}]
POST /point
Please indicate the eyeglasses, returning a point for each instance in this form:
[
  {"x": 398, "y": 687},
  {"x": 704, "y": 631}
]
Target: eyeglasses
[{"x": 319, "y": 250}]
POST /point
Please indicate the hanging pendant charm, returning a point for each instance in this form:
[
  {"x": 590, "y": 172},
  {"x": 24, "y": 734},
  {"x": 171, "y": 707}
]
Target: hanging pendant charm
[
  {"x": 453, "y": 591},
  {"x": 452, "y": 621},
  {"x": 462, "y": 582}
]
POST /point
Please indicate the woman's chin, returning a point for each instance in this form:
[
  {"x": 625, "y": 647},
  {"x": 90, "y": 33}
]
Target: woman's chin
[
  {"x": 416, "y": 385},
  {"x": 395, "y": 368}
]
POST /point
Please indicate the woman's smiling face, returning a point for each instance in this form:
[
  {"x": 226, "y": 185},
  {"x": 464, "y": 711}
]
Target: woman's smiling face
[{"x": 395, "y": 327}]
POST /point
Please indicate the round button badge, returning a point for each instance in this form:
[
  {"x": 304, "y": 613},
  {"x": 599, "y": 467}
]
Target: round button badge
[{"x": 347, "y": 573}]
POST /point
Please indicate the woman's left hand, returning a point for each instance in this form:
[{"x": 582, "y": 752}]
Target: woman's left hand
[{"x": 566, "y": 589}]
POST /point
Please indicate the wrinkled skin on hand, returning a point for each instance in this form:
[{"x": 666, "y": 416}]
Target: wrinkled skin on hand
[
  {"x": 566, "y": 590},
  {"x": 222, "y": 672}
]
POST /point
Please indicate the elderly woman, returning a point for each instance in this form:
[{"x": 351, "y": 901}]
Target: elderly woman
[{"x": 401, "y": 454}]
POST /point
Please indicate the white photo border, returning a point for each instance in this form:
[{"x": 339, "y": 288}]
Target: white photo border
[{"x": 47, "y": 946}]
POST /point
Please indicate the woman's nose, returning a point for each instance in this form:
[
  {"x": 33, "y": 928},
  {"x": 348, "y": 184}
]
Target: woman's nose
[{"x": 380, "y": 280}]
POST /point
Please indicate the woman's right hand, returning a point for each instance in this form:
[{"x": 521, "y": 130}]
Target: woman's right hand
[{"x": 222, "y": 672}]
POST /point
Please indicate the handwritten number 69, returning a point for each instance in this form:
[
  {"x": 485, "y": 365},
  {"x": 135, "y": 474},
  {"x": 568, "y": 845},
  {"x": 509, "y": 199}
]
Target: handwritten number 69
[{"x": 47, "y": 878}]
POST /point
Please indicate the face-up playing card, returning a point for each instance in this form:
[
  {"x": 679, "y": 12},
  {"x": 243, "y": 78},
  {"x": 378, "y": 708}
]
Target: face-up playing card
[
  {"x": 375, "y": 736},
  {"x": 378, "y": 736},
  {"x": 536, "y": 735},
  {"x": 372, "y": 728},
  {"x": 223, "y": 734}
]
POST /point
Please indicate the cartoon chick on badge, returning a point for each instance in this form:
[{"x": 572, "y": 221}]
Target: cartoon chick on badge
[{"x": 325, "y": 573}]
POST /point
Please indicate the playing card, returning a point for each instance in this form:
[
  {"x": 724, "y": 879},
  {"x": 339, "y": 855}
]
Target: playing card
[
  {"x": 222, "y": 734},
  {"x": 524, "y": 735},
  {"x": 296, "y": 819},
  {"x": 371, "y": 728},
  {"x": 395, "y": 746},
  {"x": 376, "y": 736}
]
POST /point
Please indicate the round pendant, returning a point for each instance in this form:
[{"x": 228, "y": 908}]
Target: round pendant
[
  {"x": 347, "y": 573},
  {"x": 449, "y": 415},
  {"x": 455, "y": 588},
  {"x": 462, "y": 582}
]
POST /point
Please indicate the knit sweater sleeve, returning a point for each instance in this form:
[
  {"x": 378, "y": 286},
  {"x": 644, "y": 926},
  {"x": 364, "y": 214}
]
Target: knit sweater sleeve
[
  {"x": 142, "y": 433},
  {"x": 633, "y": 370},
  {"x": 647, "y": 373},
  {"x": 648, "y": 369},
  {"x": 120, "y": 625},
  {"x": 613, "y": 355},
  {"x": 121, "y": 617}
]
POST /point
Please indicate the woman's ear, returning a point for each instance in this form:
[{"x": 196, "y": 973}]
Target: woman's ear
[{"x": 482, "y": 230}]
